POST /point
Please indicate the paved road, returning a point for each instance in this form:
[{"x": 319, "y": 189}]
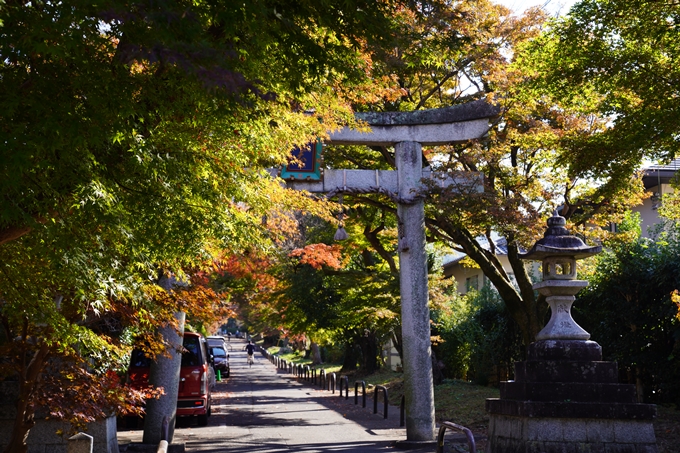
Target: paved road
[{"x": 264, "y": 410}]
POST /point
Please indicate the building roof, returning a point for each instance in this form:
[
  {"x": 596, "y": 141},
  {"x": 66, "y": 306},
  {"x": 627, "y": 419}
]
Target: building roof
[
  {"x": 501, "y": 249},
  {"x": 653, "y": 175}
]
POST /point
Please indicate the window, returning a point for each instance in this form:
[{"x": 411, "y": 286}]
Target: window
[
  {"x": 472, "y": 283},
  {"x": 218, "y": 352},
  {"x": 192, "y": 355}
]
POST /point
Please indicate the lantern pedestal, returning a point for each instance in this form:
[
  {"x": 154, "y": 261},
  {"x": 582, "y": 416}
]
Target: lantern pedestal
[
  {"x": 560, "y": 296},
  {"x": 566, "y": 399}
]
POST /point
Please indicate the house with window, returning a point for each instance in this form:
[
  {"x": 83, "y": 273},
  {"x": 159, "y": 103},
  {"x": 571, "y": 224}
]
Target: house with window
[
  {"x": 468, "y": 276},
  {"x": 657, "y": 181}
]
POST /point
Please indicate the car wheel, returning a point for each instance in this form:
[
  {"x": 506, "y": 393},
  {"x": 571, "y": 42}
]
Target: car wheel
[
  {"x": 202, "y": 420},
  {"x": 226, "y": 374}
]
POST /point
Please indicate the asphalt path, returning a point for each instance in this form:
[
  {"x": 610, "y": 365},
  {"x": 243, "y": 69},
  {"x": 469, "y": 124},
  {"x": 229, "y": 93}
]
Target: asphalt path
[{"x": 265, "y": 410}]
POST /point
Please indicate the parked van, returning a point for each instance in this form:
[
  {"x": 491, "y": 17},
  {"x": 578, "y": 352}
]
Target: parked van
[{"x": 196, "y": 375}]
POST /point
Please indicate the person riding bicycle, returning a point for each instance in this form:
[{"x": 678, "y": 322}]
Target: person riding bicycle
[{"x": 250, "y": 348}]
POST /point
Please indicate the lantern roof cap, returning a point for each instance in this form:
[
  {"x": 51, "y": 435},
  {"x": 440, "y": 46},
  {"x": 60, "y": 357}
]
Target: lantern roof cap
[{"x": 557, "y": 241}]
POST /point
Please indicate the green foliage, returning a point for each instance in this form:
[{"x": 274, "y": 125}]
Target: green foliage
[
  {"x": 479, "y": 340},
  {"x": 341, "y": 306},
  {"x": 540, "y": 152},
  {"x": 618, "y": 57},
  {"x": 455, "y": 401},
  {"x": 628, "y": 310},
  {"x": 133, "y": 139}
]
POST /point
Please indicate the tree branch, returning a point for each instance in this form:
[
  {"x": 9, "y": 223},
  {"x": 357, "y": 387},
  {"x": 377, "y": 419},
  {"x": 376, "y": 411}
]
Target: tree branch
[{"x": 372, "y": 237}]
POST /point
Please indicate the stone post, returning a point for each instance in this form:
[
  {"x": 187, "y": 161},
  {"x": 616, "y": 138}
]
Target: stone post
[
  {"x": 80, "y": 443},
  {"x": 164, "y": 372},
  {"x": 415, "y": 314}
]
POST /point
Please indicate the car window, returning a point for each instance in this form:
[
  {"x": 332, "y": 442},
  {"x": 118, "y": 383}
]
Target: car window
[
  {"x": 191, "y": 356},
  {"x": 218, "y": 351}
]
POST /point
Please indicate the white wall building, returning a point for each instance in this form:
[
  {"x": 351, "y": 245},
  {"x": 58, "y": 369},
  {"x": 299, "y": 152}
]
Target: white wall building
[
  {"x": 656, "y": 179},
  {"x": 471, "y": 277}
]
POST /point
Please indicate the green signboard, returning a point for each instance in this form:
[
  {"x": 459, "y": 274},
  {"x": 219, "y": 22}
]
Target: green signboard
[{"x": 305, "y": 163}]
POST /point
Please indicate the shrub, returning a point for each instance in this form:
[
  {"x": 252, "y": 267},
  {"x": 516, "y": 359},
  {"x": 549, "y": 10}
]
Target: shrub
[{"x": 479, "y": 340}]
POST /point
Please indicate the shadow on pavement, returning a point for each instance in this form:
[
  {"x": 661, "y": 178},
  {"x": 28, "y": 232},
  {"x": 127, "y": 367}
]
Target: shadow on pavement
[{"x": 265, "y": 410}]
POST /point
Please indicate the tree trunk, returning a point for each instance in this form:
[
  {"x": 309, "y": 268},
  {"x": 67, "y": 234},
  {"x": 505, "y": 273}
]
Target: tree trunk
[
  {"x": 25, "y": 405},
  {"x": 397, "y": 342},
  {"x": 437, "y": 375},
  {"x": 22, "y": 427},
  {"x": 527, "y": 310},
  {"x": 165, "y": 372},
  {"x": 316, "y": 353},
  {"x": 369, "y": 352},
  {"x": 349, "y": 363}
]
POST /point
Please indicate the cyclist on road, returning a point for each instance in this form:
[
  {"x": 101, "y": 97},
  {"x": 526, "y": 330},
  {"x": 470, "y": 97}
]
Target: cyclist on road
[{"x": 250, "y": 348}]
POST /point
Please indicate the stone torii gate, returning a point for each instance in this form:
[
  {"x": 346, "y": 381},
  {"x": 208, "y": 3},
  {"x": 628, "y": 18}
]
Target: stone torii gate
[{"x": 407, "y": 132}]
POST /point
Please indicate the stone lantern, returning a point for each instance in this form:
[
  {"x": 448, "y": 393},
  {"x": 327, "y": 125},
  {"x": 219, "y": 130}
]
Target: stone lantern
[
  {"x": 558, "y": 251},
  {"x": 564, "y": 397}
]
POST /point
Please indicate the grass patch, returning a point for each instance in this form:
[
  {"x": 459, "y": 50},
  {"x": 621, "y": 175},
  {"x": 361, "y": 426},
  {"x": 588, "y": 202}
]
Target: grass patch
[
  {"x": 298, "y": 358},
  {"x": 463, "y": 403},
  {"x": 455, "y": 401}
]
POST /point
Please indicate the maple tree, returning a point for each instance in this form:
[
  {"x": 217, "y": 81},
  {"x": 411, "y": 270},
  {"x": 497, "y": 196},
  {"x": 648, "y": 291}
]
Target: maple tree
[
  {"x": 323, "y": 292},
  {"x": 543, "y": 152},
  {"x": 618, "y": 58},
  {"x": 133, "y": 142},
  {"x": 352, "y": 302},
  {"x": 533, "y": 159}
]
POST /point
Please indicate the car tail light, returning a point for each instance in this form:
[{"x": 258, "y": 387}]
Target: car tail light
[{"x": 204, "y": 381}]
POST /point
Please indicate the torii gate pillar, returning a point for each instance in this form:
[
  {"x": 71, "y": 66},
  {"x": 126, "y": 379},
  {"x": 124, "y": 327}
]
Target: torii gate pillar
[
  {"x": 407, "y": 132},
  {"x": 415, "y": 314}
]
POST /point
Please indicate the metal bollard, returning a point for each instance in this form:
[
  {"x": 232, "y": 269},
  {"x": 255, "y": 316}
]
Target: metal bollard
[
  {"x": 345, "y": 380},
  {"x": 375, "y": 400},
  {"x": 363, "y": 391},
  {"x": 448, "y": 425}
]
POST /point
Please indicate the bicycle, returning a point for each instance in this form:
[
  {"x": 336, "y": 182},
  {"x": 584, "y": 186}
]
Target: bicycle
[{"x": 250, "y": 349}]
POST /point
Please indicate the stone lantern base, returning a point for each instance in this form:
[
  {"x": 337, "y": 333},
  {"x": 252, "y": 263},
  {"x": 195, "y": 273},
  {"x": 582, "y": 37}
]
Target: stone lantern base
[{"x": 565, "y": 399}]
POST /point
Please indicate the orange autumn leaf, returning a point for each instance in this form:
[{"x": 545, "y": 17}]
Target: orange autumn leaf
[{"x": 319, "y": 255}]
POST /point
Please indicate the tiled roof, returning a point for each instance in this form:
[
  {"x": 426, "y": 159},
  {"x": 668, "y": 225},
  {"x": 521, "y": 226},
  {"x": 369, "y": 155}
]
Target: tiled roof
[
  {"x": 659, "y": 173},
  {"x": 674, "y": 165},
  {"x": 501, "y": 249}
]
